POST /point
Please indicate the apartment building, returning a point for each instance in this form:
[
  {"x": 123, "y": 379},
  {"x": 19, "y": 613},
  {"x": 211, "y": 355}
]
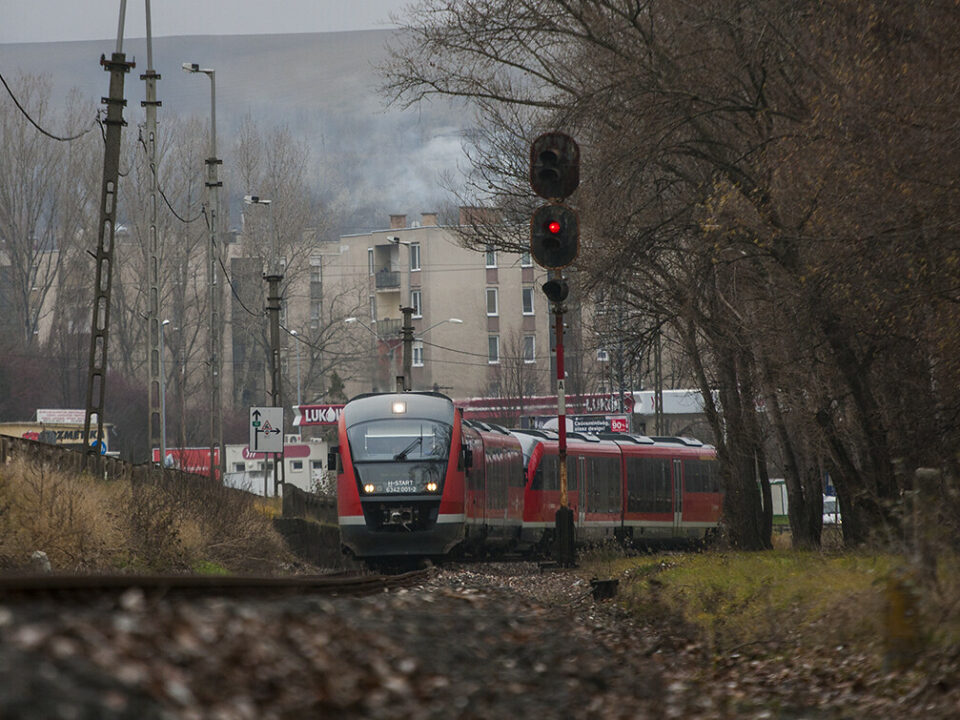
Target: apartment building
[{"x": 481, "y": 324}]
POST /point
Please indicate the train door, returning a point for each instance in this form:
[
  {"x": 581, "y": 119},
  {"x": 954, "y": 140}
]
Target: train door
[{"x": 677, "y": 496}]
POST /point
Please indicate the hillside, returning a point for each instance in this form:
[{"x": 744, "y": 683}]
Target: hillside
[{"x": 322, "y": 85}]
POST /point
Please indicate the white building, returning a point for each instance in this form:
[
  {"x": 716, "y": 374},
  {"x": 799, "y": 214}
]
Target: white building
[{"x": 304, "y": 464}]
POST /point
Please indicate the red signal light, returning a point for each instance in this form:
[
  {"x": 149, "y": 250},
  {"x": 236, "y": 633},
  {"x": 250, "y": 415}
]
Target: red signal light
[{"x": 553, "y": 227}]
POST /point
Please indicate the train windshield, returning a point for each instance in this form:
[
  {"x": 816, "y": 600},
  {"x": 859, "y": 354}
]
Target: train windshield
[{"x": 399, "y": 440}]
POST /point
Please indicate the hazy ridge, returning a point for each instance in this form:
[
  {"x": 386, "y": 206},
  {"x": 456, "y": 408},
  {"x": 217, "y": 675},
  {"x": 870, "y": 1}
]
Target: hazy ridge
[{"x": 324, "y": 86}]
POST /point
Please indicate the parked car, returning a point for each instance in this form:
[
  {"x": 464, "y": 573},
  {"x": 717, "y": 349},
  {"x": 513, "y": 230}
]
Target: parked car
[{"x": 831, "y": 510}]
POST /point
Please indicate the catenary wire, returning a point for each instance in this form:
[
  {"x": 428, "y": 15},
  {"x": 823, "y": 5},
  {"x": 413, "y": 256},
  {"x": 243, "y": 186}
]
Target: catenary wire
[{"x": 36, "y": 125}]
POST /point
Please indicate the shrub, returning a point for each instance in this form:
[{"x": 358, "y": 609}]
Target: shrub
[{"x": 173, "y": 525}]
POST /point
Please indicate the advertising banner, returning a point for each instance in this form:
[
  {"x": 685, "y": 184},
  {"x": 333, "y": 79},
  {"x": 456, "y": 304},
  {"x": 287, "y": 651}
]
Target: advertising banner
[
  {"x": 304, "y": 415},
  {"x": 192, "y": 460}
]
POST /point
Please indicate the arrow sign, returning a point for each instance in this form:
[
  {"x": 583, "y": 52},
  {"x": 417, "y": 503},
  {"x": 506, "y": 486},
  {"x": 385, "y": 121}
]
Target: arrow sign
[{"x": 266, "y": 429}]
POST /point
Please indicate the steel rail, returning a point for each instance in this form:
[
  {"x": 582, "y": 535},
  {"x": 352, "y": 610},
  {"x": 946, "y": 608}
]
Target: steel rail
[{"x": 22, "y": 587}]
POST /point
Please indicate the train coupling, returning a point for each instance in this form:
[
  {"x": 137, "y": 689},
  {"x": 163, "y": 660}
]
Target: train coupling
[{"x": 399, "y": 516}]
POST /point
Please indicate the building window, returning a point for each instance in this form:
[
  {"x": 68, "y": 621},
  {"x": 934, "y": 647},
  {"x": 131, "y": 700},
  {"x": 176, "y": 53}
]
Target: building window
[
  {"x": 373, "y": 307},
  {"x": 525, "y": 259},
  {"x": 529, "y": 348},
  {"x": 415, "y": 303},
  {"x": 418, "y": 353},
  {"x": 493, "y": 349},
  {"x": 492, "y": 302},
  {"x": 603, "y": 355},
  {"x": 414, "y": 256},
  {"x": 316, "y": 270},
  {"x": 527, "y": 300},
  {"x": 296, "y": 464},
  {"x": 315, "y": 307},
  {"x": 316, "y": 464},
  {"x": 370, "y": 269},
  {"x": 239, "y": 467},
  {"x": 491, "y": 256}
]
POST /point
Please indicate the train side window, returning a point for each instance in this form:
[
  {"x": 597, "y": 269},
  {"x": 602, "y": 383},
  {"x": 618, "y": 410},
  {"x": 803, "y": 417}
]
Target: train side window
[
  {"x": 537, "y": 482},
  {"x": 546, "y": 478},
  {"x": 699, "y": 476},
  {"x": 649, "y": 488}
]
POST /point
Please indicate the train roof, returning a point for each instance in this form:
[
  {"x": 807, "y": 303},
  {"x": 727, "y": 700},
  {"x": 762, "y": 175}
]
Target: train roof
[
  {"x": 688, "y": 441},
  {"x": 486, "y": 427},
  {"x": 626, "y": 438},
  {"x": 379, "y": 406}
]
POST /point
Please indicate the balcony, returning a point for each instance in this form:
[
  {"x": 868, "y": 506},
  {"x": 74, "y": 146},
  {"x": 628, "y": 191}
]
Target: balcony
[
  {"x": 388, "y": 328},
  {"x": 388, "y": 280}
]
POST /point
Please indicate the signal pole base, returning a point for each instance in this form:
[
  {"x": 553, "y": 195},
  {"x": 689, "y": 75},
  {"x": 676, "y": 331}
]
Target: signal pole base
[{"x": 564, "y": 550}]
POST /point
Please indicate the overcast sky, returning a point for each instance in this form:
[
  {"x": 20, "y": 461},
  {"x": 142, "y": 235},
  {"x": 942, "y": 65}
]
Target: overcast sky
[{"x": 65, "y": 20}]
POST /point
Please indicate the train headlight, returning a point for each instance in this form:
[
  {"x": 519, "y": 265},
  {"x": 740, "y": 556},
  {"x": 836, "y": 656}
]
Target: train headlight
[
  {"x": 368, "y": 488},
  {"x": 431, "y": 487},
  {"x": 399, "y": 407}
]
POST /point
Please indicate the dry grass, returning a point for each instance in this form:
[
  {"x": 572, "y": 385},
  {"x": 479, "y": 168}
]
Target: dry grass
[
  {"x": 781, "y": 599},
  {"x": 83, "y": 524}
]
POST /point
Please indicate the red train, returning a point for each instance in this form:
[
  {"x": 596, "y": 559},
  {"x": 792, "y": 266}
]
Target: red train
[{"x": 416, "y": 480}]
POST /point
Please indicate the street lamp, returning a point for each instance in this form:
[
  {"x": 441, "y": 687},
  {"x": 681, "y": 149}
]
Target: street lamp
[
  {"x": 273, "y": 276},
  {"x": 213, "y": 218},
  {"x": 455, "y": 321},
  {"x": 351, "y": 320},
  {"x": 257, "y": 200},
  {"x": 163, "y": 402},
  {"x": 295, "y": 334}
]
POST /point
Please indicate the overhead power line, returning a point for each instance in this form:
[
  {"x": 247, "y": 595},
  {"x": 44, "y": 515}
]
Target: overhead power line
[{"x": 34, "y": 122}]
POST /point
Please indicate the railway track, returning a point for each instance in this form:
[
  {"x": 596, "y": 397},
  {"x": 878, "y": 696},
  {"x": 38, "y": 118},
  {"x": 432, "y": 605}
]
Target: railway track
[{"x": 93, "y": 587}]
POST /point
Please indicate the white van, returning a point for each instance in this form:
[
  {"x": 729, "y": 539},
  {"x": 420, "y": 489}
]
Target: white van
[{"x": 831, "y": 510}]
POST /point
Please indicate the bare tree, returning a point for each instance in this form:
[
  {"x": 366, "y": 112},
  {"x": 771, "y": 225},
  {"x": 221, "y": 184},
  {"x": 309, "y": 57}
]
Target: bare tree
[
  {"x": 46, "y": 201},
  {"x": 518, "y": 375},
  {"x": 720, "y": 140},
  {"x": 274, "y": 165}
]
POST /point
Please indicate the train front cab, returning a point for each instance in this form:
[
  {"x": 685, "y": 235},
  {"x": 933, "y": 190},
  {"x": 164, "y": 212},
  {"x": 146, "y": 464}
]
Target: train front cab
[{"x": 400, "y": 478}]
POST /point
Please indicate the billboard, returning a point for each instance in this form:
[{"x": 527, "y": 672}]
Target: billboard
[
  {"x": 192, "y": 460},
  {"x": 591, "y": 424},
  {"x": 304, "y": 415}
]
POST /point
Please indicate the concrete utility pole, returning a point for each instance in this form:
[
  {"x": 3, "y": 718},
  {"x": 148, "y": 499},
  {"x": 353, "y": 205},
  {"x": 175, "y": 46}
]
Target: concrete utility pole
[
  {"x": 154, "y": 329},
  {"x": 117, "y": 66},
  {"x": 212, "y": 201},
  {"x": 273, "y": 310},
  {"x": 273, "y": 276},
  {"x": 406, "y": 332},
  {"x": 163, "y": 402}
]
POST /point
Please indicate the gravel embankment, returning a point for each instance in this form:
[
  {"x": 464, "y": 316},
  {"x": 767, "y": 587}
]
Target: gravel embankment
[{"x": 485, "y": 641}]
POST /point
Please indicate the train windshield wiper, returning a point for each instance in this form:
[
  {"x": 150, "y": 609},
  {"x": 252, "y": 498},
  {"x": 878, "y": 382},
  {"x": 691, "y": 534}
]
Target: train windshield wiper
[{"x": 402, "y": 455}]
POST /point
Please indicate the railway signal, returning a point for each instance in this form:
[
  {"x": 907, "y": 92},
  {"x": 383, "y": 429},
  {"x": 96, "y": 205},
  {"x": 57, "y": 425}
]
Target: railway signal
[
  {"x": 556, "y": 289},
  {"x": 554, "y": 236},
  {"x": 554, "y": 244},
  {"x": 554, "y": 165}
]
